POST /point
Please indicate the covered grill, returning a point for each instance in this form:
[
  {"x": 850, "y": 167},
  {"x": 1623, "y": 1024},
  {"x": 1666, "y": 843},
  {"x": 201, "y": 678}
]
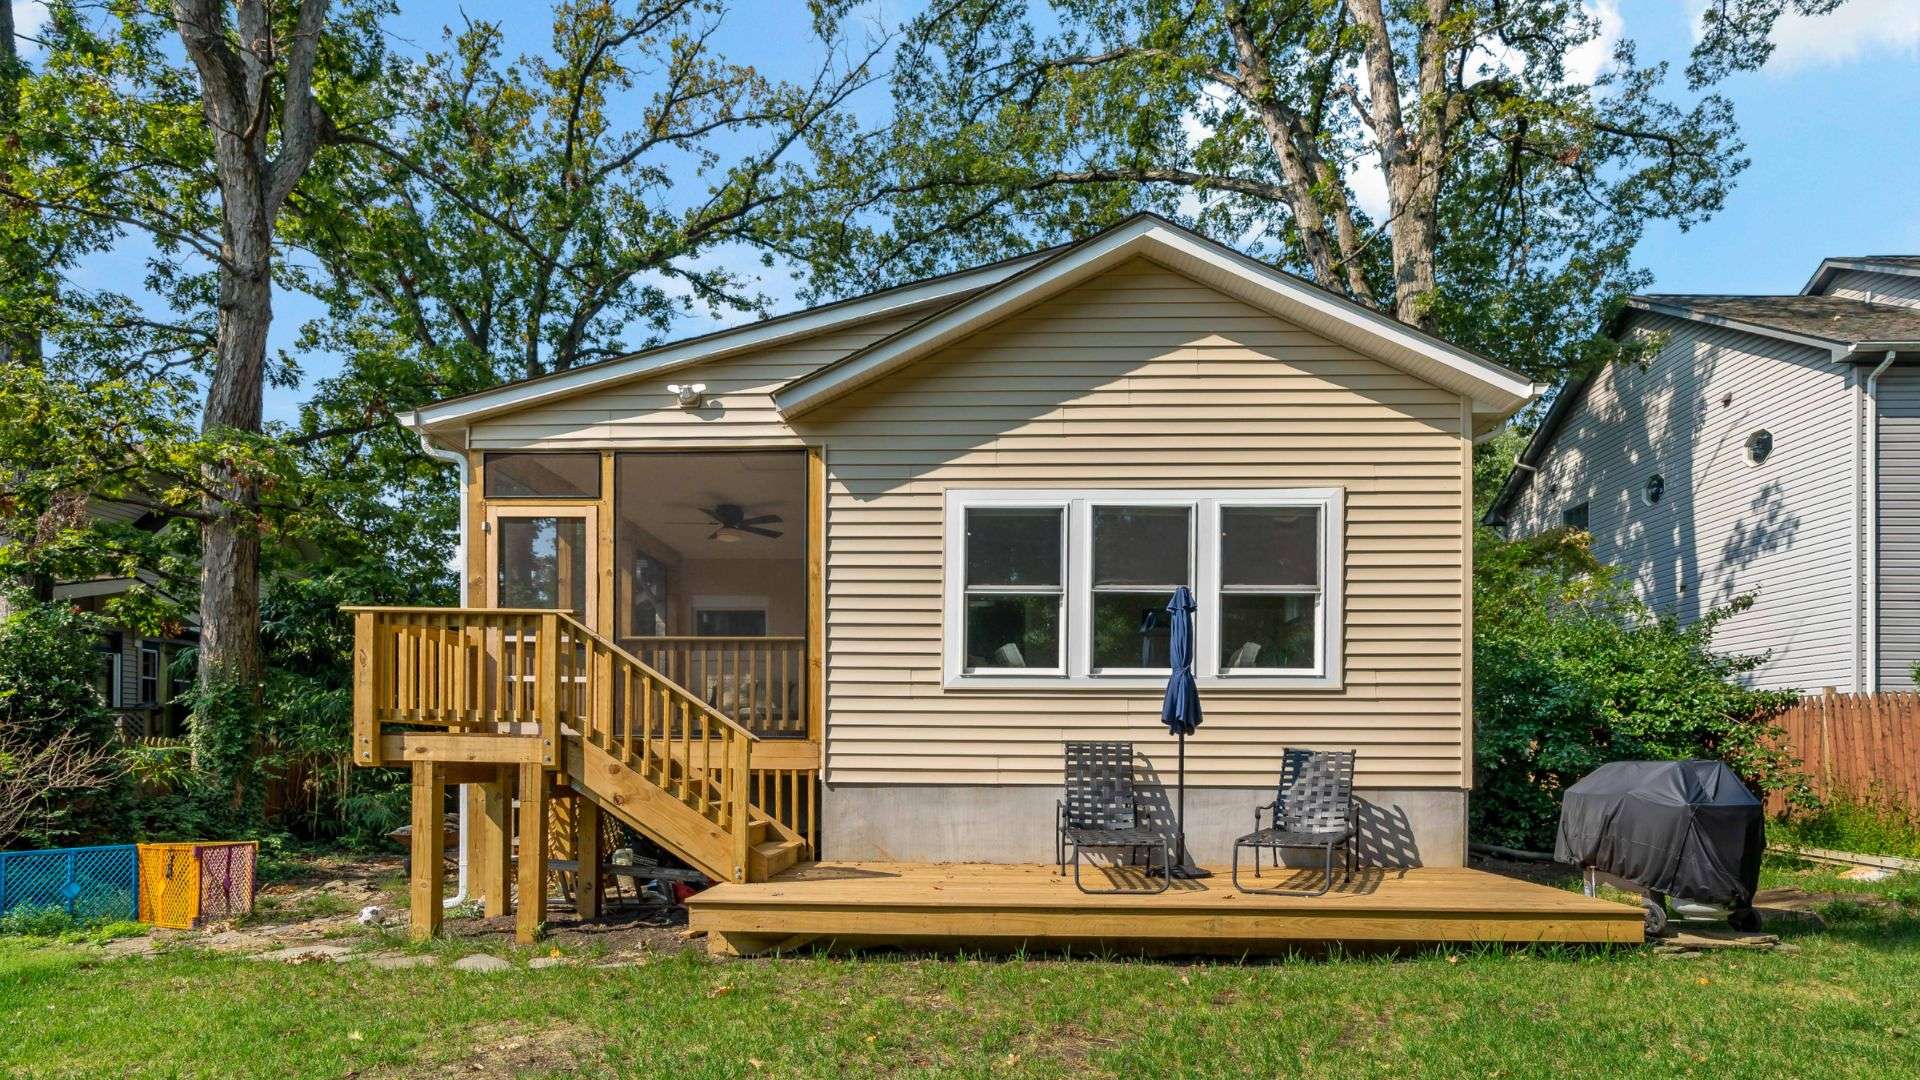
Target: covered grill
[{"x": 1688, "y": 829}]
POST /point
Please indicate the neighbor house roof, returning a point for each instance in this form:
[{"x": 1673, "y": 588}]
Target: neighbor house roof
[
  {"x": 1496, "y": 391},
  {"x": 1901, "y": 265},
  {"x": 963, "y": 303},
  {"x": 1830, "y": 320},
  {"x": 1848, "y": 329}
]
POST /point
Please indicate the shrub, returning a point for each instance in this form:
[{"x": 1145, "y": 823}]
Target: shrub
[
  {"x": 1571, "y": 671},
  {"x": 59, "y": 770},
  {"x": 32, "y": 920}
]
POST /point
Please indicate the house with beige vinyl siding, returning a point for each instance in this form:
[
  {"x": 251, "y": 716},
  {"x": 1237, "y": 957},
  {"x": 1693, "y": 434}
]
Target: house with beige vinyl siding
[
  {"x": 885, "y": 557},
  {"x": 1768, "y": 447}
]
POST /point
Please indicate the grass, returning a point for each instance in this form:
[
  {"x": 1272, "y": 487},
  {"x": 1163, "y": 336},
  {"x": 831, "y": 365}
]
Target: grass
[
  {"x": 1861, "y": 824},
  {"x": 1843, "y": 1004}
]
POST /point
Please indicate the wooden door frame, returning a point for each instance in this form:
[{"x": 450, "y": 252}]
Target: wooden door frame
[{"x": 587, "y": 510}]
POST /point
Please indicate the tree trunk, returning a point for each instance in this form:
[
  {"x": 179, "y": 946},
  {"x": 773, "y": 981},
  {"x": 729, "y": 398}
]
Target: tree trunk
[{"x": 230, "y": 537}]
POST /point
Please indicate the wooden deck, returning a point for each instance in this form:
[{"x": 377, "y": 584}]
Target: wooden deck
[{"x": 990, "y": 907}]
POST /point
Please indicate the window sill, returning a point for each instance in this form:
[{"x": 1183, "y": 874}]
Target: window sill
[{"x": 1050, "y": 684}]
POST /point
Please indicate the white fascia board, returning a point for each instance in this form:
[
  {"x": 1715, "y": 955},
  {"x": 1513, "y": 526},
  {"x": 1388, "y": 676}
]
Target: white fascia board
[
  {"x": 671, "y": 357},
  {"x": 1494, "y": 389},
  {"x": 1827, "y": 267}
]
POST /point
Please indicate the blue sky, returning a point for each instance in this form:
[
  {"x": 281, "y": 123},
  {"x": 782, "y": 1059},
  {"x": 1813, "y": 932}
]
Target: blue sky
[{"x": 1830, "y": 124}]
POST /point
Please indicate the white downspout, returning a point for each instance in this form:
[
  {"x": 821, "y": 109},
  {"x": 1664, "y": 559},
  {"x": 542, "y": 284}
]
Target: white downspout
[
  {"x": 1870, "y": 568},
  {"x": 456, "y": 458}
]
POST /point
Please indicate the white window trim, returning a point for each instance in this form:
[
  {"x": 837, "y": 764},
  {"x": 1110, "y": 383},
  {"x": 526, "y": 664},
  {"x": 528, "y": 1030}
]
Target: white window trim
[{"x": 1077, "y": 646}]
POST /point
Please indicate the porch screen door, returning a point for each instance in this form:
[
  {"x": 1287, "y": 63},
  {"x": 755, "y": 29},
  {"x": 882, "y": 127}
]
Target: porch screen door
[{"x": 544, "y": 557}]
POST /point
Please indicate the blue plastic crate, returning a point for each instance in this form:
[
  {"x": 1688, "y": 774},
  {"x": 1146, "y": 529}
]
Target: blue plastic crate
[{"x": 87, "y": 883}]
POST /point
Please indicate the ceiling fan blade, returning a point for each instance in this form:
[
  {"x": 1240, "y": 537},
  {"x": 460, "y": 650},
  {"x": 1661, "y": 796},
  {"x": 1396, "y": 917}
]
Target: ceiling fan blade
[
  {"x": 713, "y": 517},
  {"x": 771, "y": 534},
  {"x": 763, "y": 519}
]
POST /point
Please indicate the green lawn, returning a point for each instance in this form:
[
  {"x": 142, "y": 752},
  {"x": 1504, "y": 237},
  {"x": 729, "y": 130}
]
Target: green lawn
[{"x": 1846, "y": 1003}]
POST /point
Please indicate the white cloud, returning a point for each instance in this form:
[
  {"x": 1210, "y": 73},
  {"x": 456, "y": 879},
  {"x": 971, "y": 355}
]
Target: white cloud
[
  {"x": 29, "y": 18},
  {"x": 1858, "y": 29},
  {"x": 1585, "y": 61}
]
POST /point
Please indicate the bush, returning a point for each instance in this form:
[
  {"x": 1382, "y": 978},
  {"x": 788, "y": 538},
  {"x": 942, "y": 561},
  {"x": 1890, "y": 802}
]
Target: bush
[
  {"x": 1572, "y": 671},
  {"x": 1863, "y": 823},
  {"x": 59, "y": 768},
  {"x": 32, "y": 920}
]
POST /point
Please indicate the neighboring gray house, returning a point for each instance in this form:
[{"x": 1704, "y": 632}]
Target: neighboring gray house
[{"x": 1770, "y": 446}]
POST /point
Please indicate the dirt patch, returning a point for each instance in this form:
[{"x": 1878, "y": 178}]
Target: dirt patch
[
  {"x": 1558, "y": 875},
  {"x": 503, "y": 1050},
  {"x": 623, "y": 931}
]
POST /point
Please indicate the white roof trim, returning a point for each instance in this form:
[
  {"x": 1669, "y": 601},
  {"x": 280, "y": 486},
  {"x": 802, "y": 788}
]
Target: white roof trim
[
  {"x": 1818, "y": 281},
  {"x": 456, "y": 412},
  {"x": 1494, "y": 389}
]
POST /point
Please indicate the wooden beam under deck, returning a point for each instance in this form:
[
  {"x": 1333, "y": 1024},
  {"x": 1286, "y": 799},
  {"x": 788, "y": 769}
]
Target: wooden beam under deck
[{"x": 984, "y": 906}]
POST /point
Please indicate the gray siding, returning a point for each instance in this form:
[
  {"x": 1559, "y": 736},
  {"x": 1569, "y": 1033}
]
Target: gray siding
[
  {"x": 1899, "y": 526},
  {"x": 1782, "y": 530},
  {"x": 1901, "y": 289}
]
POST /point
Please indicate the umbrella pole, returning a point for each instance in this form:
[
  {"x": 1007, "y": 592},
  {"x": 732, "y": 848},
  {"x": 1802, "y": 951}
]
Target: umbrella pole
[{"x": 1180, "y": 867}]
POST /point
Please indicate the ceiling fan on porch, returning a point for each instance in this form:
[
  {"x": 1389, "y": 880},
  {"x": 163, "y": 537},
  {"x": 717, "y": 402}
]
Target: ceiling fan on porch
[{"x": 732, "y": 523}]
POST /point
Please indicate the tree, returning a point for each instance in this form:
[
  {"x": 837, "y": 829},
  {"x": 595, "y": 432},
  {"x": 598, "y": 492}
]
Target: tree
[
  {"x": 1514, "y": 184},
  {"x": 1571, "y": 671},
  {"x": 500, "y": 216}
]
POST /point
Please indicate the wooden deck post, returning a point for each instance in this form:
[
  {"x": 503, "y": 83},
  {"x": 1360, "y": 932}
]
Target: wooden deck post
[
  {"x": 428, "y": 889},
  {"x": 586, "y": 849},
  {"x": 490, "y": 842},
  {"x": 530, "y": 909},
  {"x": 366, "y": 687}
]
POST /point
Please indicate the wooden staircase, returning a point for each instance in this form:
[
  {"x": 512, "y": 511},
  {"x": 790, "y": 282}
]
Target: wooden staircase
[{"x": 461, "y": 694}]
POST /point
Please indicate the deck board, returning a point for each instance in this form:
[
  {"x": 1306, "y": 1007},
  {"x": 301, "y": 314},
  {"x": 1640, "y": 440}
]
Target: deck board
[{"x": 979, "y": 905}]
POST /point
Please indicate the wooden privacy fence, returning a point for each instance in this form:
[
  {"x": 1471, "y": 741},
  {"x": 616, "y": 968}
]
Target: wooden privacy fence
[{"x": 1857, "y": 745}]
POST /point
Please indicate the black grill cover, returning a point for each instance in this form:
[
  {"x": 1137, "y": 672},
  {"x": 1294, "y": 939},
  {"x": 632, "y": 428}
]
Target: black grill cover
[{"x": 1689, "y": 829}]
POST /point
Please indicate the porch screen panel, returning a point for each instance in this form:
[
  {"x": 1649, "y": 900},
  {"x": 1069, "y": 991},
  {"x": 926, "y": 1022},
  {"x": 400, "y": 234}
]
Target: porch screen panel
[
  {"x": 542, "y": 476},
  {"x": 1270, "y": 588},
  {"x": 543, "y": 563},
  {"x": 1140, "y": 555},
  {"x": 1014, "y": 587}
]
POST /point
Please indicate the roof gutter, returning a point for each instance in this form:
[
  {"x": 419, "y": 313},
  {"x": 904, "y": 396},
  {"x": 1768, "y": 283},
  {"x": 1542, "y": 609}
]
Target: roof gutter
[
  {"x": 1870, "y": 569},
  {"x": 460, "y": 461}
]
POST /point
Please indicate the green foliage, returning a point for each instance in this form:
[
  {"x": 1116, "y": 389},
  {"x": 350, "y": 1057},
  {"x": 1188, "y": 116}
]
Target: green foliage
[
  {"x": 1571, "y": 671},
  {"x": 1864, "y": 823},
  {"x": 1520, "y": 189},
  {"x": 37, "y": 920},
  {"x": 58, "y": 782}
]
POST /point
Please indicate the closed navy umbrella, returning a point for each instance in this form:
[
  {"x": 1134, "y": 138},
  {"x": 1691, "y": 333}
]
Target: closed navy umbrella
[{"x": 1180, "y": 711}]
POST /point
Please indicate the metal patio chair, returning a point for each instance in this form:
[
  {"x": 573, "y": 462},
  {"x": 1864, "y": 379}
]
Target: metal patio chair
[
  {"x": 1313, "y": 809},
  {"x": 1100, "y": 812}
]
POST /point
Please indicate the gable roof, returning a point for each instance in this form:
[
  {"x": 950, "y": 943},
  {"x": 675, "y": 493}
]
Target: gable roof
[
  {"x": 1496, "y": 391},
  {"x": 1902, "y": 265},
  {"x": 1850, "y": 330},
  {"x": 1810, "y": 319},
  {"x": 454, "y": 412}
]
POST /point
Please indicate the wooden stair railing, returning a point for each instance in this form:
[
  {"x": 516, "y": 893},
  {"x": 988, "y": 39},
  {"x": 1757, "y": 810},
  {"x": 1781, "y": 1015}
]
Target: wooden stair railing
[{"x": 522, "y": 685}]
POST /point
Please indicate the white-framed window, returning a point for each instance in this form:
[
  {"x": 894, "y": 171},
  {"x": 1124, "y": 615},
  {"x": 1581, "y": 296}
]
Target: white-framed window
[
  {"x": 1070, "y": 587},
  {"x": 730, "y": 616}
]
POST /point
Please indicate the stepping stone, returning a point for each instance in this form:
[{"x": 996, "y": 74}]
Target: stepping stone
[
  {"x": 401, "y": 961},
  {"x": 1704, "y": 940},
  {"x": 541, "y": 963},
  {"x": 304, "y": 954},
  {"x": 481, "y": 962}
]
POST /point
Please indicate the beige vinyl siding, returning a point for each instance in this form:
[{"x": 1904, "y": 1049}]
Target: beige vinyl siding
[
  {"x": 1878, "y": 288},
  {"x": 1143, "y": 378},
  {"x": 1782, "y": 530},
  {"x": 643, "y": 413}
]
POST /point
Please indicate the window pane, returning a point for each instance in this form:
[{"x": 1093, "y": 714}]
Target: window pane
[
  {"x": 1270, "y": 547},
  {"x": 543, "y": 476},
  {"x": 1130, "y": 629},
  {"x": 1141, "y": 545},
  {"x": 730, "y": 623},
  {"x": 543, "y": 563},
  {"x": 1263, "y": 630},
  {"x": 1013, "y": 631},
  {"x": 1013, "y": 547}
]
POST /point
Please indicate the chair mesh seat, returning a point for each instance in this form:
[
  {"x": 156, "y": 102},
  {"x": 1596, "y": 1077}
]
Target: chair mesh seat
[
  {"x": 1293, "y": 838},
  {"x": 1113, "y": 837}
]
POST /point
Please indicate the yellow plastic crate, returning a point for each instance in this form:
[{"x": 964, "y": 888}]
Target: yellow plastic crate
[{"x": 186, "y": 886}]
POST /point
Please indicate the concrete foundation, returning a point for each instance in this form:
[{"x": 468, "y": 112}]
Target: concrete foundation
[{"x": 1015, "y": 824}]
